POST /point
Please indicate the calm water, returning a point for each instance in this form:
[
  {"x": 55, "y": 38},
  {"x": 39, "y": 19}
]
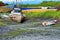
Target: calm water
[{"x": 11, "y": 6}]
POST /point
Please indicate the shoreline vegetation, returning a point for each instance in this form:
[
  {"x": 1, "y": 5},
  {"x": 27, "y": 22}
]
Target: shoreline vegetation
[
  {"x": 43, "y": 14},
  {"x": 44, "y": 3}
]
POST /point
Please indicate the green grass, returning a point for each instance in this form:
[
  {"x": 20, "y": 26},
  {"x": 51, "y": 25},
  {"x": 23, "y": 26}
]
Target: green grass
[
  {"x": 4, "y": 13},
  {"x": 48, "y": 14},
  {"x": 0, "y": 14},
  {"x": 16, "y": 33},
  {"x": 2, "y": 23}
]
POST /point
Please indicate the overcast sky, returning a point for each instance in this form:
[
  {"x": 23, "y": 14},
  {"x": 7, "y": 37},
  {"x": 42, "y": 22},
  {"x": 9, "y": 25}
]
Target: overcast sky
[{"x": 27, "y": 1}]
